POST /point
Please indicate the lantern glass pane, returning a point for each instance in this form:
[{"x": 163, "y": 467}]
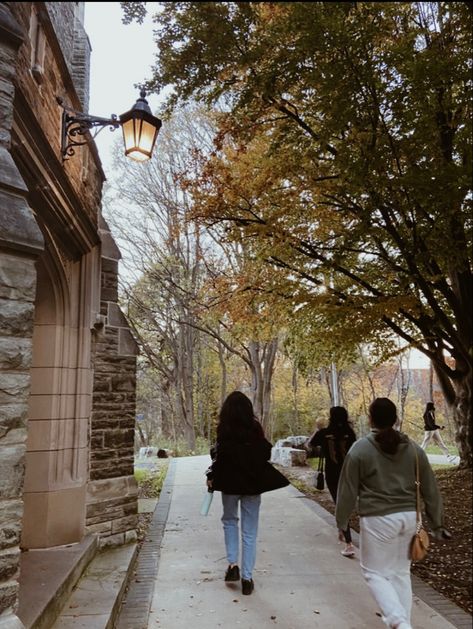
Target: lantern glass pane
[
  {"x": 129, "y": 136},
  {"x": 147, "y": 137}
]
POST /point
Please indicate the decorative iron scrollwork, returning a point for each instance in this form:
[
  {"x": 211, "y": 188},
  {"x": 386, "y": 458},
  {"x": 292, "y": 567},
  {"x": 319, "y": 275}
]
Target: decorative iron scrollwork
[{"x": 75, "y": 125}]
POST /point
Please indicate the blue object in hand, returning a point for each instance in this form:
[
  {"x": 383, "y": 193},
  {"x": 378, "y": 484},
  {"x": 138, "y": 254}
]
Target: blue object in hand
[{"x": 207, "y": 501}]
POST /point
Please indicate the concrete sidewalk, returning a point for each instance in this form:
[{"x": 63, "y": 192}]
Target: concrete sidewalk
[
  {"x": 301, "y": 580},
  {"x": 441, "y": 459}
]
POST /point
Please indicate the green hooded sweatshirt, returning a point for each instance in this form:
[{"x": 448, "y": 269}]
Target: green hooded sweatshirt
[{"x": 385, "y": 483}]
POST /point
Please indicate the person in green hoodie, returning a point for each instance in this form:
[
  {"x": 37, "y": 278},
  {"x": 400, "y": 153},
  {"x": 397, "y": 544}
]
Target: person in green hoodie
[{"x": 379, "y": 472}]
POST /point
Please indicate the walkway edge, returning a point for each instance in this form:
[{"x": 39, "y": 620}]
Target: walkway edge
[{"x": 134, "y": 612}]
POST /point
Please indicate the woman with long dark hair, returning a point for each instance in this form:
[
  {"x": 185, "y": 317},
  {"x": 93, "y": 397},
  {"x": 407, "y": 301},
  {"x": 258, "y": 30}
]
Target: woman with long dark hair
[
  {"x": 380, "y": 473},
  {"x": 432, "y": 431},
  {"x": 334, "y": 442},
  {"x": 240, "y": 471}
]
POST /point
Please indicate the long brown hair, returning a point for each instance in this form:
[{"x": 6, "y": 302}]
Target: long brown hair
[{"x": 237, "y": 419}]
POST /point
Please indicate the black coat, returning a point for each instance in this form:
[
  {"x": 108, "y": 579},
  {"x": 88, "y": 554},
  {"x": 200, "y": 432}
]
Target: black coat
[
  {"x": 243, "y": 468},
  {"x": 429, "y": 421},
  {"x": 334, "y": 448}
]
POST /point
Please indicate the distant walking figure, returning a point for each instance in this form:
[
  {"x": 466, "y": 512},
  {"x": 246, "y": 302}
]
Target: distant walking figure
[
  {"x": 241, "y": 470},
  {"x": 380, "y": 473},
  {"x": 432, "y": 431},
  {"x": 334, "y": 443}
]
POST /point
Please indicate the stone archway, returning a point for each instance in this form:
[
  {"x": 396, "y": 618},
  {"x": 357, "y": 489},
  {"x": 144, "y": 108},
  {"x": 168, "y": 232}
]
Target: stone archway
[{"x": 59, "y": 406}]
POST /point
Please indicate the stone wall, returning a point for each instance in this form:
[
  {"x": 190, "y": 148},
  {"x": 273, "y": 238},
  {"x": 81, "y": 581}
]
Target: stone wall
[
  {"x": 17, "y": 290},
  {"x": 66, "y": 18},
  {"x": 38, "y": 101},
  {"x": 38, "y": 190},
  {"x": 20, "y": 243},
  {"x": 112, "y": 491}
]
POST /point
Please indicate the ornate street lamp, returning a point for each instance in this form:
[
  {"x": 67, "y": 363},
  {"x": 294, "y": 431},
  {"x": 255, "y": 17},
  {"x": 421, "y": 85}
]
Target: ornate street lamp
[{"x": 140, "y": 129}]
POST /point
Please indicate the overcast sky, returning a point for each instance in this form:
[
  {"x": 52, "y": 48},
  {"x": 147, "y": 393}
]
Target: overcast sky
[{"x": 122, "y": 55}]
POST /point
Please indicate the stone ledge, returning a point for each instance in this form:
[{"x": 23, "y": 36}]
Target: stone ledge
[
  {"x": 95, "y": 601},
  {"x": 47, "y": 577}
]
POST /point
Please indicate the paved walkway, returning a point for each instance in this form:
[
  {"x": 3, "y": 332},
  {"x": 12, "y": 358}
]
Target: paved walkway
[
  {"x": 441, "y": 459},
  {"x": 151, "y": 464},
  {"x": 301, "y": 580}
]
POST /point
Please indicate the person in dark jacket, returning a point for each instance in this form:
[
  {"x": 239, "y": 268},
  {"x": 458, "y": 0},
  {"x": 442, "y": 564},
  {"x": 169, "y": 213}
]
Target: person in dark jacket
[
  {"x": 432, "y": 431},
  {"x": 238, "y": 461},
  {"x": 334, "y": 442}
]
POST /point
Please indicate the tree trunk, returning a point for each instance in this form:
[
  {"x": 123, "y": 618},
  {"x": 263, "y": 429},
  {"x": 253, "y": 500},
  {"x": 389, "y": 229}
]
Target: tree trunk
[
  {"x": 142, "y": 437},
  {"x": 256, "y": 379},
  {"x": 262, "y": 368},
  {"x": 168, "y": 424},
  {"x": 462, "y": 417},
  {"x": 458, "y": 396},
  {"x": 269, "y": 360},
  {"x": 200, "y": 390},
  {"x": 404, "y": 380},
  {"x": 187, "y": 366},
  {"x": 431, "y": 382},
  {"x": 295, "y": 401},
  {"x": 223, "y": 367}
]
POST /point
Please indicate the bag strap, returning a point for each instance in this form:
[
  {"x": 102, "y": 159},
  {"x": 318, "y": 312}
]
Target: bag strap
[
  {"x": 320, "y": 466},
  {"x": 417, "y": 483}
]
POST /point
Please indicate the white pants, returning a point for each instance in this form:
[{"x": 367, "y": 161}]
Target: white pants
[
  {"x": 435, "y": 435},
  {"x": 385, "y": 563}
]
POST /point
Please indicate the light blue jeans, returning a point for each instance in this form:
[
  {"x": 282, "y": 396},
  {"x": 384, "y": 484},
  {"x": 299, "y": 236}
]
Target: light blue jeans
[{"x": 249, "y": 510}]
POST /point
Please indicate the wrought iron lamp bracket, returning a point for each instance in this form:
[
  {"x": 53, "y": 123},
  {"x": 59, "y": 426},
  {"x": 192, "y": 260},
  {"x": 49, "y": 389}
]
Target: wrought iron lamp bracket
[{"x": 75, "y": 125}]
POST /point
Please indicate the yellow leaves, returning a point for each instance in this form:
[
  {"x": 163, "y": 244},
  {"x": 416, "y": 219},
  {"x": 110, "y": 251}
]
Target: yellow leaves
[
  {"x": 239, "y": 299},
  {"x": 269, "y": 11}
]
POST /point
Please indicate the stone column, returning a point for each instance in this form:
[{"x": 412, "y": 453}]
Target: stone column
[
  {"x": 20, "y": 243},
  {"x": 112, "y": 496}
]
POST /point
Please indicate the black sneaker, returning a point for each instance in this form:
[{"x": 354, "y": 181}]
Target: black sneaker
[
  {"x": 232, "y": 573},
  {"x": 247, "y": 586}
]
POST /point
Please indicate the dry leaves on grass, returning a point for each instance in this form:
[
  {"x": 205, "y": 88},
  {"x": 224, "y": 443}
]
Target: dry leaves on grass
[{"x": 448, "y": 566}]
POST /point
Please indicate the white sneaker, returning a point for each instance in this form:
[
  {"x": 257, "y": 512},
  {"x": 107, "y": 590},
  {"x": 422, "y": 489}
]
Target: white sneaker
[
  {"x": 349, "y": 551},
  {"x": 451, "y": 458}
]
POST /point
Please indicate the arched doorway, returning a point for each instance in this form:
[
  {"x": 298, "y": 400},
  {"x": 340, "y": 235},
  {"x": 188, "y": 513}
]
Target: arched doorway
[{"x": 59, "y": 406}]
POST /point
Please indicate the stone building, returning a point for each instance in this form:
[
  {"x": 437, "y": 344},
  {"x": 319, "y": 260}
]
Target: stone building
[{"x": 67, "y": 357}]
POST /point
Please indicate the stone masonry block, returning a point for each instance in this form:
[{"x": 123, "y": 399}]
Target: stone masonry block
[
  {"x": 115, "y": 438},
  {"x": 9, "y": 563},
  {"x": 11, "y": 515},
  {"x": 111, "y": 489},
  {"x": 130, "y": 536},
  {"x": 13, "y": 417},
  {"x": 103, "y": 528},
  {"x": 16, "y": 318},
  {"x": 124, "y": 524},
  {"x": 17, "y": 281},
  {"x": 12, "y": 471},
  {"x": 15, "y": 353},
  {"x": 112, "y": 540},
  {"x": 14, "y": 387},
  {"x": 8, "y": 596}
]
